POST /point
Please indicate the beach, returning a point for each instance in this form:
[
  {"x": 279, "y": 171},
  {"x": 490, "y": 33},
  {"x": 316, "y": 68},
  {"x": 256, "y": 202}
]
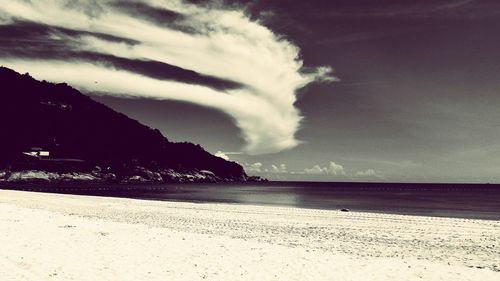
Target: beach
[{"x": 69, "y": 237}]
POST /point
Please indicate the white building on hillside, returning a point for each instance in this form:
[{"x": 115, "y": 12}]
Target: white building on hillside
[{"x": 37, "y": 152}]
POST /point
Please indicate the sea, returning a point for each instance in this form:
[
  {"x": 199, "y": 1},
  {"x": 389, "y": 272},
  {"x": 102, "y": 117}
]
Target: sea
[{"x": 469, "y": 201}]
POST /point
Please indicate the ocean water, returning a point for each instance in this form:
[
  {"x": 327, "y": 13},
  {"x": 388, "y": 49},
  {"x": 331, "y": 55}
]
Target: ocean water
[{"x": 480, "y": 201}]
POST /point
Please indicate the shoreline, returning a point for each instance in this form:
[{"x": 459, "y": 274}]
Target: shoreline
[
  {"x": 81, "y": 237},
  {"x": 479, "y": 202}
]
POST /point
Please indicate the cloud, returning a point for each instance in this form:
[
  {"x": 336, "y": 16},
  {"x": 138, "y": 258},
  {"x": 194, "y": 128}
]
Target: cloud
[
  {"x": 268, "y": 170},
  {"x": 253, "y": 168},
  {"x": 280, "y": 169},
  {"x": 323, "y": 172},
  {"x": 183, "y": 58},
  {"x": 369, "y": 173},
  {"x": 442, "y": 10},
  {"x": 332, "y": 169},
  {"x": 225, "y": 154},
  {"x": 408, "y": 10},
  {"x": 221, "y": 155},
  {"x": 389, "y": 163},
  {"x": 315, "y": 170},
  {"x": 89, "y": 7}
]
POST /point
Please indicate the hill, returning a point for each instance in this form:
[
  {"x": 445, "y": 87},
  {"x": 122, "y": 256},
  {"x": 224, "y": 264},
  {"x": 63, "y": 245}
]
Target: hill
[{"x": 55, "y": 128}]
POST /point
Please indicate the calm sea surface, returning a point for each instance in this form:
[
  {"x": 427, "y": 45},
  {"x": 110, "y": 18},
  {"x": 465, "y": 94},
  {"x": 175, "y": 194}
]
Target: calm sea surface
[{"x": 447, "y": 200}]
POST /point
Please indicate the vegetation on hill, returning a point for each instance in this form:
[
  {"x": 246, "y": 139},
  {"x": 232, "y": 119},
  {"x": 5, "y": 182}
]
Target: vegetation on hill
[{"x": 76, "y": 129}]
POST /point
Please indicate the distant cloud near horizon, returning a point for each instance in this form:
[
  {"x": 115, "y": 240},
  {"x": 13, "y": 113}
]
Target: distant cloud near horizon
[
  {"x": 369, "y": 173},
  {"x": 281, "y": 168},
  {"x": 169, "y": 50},
  {"x": 332, "y": 169},
  {"x": 253, "y": 168}
]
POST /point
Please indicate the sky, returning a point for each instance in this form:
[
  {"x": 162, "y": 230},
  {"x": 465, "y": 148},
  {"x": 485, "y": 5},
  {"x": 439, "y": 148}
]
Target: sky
[{"x": 338, "y": 90}]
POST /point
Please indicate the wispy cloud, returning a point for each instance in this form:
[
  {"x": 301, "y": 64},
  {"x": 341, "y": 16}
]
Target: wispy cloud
[
  {"x": 421, "y": 9},
  {"x": 442, "y": 9},
  {"x": 208, "y": 55},
  {"x": 453, "y": 4}
]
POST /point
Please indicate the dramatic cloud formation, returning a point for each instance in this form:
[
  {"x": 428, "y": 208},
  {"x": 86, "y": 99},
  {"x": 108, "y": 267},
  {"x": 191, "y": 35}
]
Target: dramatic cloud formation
[{"x": 161, "y": 49}]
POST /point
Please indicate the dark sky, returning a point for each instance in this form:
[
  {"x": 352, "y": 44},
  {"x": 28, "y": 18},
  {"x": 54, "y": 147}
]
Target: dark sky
[{"x": 417, "y": 97}]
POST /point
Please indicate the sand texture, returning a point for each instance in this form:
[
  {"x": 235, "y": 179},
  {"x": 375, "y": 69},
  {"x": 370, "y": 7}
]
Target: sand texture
[{"x": 67, "y": 237}]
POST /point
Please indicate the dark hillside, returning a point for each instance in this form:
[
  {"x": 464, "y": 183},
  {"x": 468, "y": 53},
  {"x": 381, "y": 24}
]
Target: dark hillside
[{"x": 60, "y": 119}]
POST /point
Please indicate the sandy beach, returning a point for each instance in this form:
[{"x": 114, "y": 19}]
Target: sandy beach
[{"x": 68, "y": 237}]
